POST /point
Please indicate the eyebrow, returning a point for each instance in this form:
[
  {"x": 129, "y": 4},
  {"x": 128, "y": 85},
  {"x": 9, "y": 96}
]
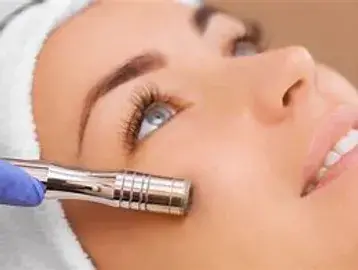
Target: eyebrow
[
  {"x": 202, "y": 17},
  {"x": 133, "y": 68}
]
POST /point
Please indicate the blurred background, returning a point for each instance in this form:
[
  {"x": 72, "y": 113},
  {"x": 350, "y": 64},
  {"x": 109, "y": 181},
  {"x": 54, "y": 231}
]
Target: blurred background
[{"x": 328, "y": 28}]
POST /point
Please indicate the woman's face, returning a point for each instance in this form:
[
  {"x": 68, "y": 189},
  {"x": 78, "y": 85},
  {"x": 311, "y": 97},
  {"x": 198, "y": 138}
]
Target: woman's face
[{"x": 166, "y": 89}]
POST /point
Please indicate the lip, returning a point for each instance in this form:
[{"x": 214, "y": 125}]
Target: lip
[
  {"x": 333, "y": 127},
  {"x": 347, "y": 161}
]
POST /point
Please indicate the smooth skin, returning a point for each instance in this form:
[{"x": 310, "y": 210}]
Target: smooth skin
[{"x": 241, "y": 142}]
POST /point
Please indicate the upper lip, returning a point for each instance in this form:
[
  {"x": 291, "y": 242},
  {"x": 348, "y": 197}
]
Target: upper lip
[{"x": 333, "y": 127}]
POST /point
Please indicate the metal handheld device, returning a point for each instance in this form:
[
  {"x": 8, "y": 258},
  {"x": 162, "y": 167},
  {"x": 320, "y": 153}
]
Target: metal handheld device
[{"x": 123, "y": 189}]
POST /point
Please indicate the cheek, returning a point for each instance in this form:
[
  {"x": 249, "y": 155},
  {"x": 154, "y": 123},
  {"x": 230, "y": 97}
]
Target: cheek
[
  {"x": 233, "y": 205},
  {"x": 335, "y": 87},
  {"x": 231, "y": 175}
]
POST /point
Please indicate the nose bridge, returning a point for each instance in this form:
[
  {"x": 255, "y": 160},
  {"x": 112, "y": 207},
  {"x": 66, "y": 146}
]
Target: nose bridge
[
  {"x": 296, "y": 63},
  {"x": 258, "y": 83},
  {"x": 279, "y": 77}
]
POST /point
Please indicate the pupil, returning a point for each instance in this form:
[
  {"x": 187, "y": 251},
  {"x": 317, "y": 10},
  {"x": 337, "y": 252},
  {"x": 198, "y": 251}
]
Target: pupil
[{"x": 156, "y": 117}]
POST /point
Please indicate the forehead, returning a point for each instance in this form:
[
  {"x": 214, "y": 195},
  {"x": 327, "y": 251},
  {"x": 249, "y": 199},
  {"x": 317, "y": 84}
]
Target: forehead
[
  {"x": 106, "y": 34},
  {"x": 123, "y": 23}
]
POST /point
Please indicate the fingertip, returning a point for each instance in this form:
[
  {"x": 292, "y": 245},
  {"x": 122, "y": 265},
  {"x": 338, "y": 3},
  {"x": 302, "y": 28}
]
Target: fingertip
[{"x": 40, "y": 190}]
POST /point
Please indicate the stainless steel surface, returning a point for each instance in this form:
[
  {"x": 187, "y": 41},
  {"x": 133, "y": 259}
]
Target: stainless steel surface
[
  {"x": 34, "y": 168},
  {"x": 123, "y": 189},
  {"x": 152, "y": 193}
]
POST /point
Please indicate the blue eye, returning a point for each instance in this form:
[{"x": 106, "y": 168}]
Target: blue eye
[{"x": 155, "y": 116}]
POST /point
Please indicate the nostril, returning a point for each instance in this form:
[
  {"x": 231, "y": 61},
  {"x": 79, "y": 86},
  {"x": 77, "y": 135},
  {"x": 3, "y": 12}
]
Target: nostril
[{"x": 288, "y": 96}]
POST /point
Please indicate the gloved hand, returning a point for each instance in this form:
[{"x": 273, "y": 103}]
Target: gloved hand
[{"x": 18, "y": 188}]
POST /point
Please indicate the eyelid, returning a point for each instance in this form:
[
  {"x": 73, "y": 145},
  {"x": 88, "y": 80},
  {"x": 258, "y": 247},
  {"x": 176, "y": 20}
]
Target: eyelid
[
  {"x": 141, "y": 99},
  {"x": 254, "y": 31}
]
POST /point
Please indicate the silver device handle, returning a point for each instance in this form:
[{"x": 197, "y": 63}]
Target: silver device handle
[{"x": 123, "y": 189}]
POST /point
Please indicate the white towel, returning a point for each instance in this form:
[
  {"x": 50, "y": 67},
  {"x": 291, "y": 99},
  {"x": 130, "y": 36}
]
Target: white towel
[{"x": 38, "y": 238}]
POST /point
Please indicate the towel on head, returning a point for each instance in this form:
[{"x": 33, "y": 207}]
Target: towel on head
[{"x": 31, "y": 238}]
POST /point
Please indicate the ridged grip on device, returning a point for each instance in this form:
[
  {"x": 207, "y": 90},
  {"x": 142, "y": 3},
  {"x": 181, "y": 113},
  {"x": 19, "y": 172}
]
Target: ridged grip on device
[{"x": 152, "y": 193}]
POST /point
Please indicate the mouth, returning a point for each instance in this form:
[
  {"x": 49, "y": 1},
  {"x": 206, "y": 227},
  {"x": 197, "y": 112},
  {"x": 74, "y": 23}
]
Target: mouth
[{"x": 334, "y": 149}]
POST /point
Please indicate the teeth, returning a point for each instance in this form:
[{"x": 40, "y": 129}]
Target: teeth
[
  {"x": 343, "y": 146},
  {"x": 331, "y": 159},
  {"x": 353, "y": 133},
  {"x": 321, "y": 172},
  {"x": 347, "y": 143}
]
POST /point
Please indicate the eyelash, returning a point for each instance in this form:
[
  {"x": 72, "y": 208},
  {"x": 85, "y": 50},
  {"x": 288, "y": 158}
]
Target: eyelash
[{"x": 142, "y": 99}]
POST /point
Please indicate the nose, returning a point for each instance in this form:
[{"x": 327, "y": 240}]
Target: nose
[{"x": 283, "y": 77}]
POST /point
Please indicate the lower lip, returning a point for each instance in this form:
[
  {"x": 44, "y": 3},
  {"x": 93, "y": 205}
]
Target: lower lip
[{"x": 348, "y": 161}]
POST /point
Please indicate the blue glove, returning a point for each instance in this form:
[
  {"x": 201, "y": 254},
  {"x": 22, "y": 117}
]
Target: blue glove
[{"x": 18, "y": 188}]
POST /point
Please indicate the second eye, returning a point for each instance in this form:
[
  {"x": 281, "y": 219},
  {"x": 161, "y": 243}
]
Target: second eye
[{"x": 244, "y": 48}]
